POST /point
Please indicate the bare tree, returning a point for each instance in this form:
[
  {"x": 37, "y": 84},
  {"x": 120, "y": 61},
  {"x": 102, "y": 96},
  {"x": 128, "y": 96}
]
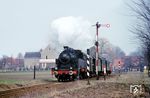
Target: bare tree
[
  {"x": 141, "y": 29},
  {"x": 110, "y": 51}
]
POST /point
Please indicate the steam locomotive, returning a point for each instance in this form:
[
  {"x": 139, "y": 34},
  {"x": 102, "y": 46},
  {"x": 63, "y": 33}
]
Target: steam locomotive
[{"x": 74, "y": 64}]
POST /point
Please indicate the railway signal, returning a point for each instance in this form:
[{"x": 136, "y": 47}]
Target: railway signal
[
  {"x": 119, "y": 64},
  {"x": 104, "y": 68},
  {"x": 119, "y": 67},
  {"x": 96, "y": 44}
]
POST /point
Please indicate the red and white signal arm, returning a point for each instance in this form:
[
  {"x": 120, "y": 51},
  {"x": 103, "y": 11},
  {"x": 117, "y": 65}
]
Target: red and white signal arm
[{"x": 119, "y": 62}]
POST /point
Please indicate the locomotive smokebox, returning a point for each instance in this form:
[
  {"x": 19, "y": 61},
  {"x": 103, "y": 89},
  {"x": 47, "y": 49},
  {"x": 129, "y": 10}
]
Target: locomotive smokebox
[{"x": 64, "y": 58}]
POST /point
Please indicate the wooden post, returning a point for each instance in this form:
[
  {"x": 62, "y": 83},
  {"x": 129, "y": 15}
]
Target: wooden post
[
  {"x": 88, "y": 81},
  {"x": 34, "y": 72}
]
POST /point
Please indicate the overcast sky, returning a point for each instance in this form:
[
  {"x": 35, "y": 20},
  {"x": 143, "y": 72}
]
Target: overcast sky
[{"x": 26, "y": 25}]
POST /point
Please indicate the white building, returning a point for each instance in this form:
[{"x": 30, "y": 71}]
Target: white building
[
  {"x": 48, "y": 56},
  {"x": 31, "y": 59},
  {"x": 45, "y": 59}
]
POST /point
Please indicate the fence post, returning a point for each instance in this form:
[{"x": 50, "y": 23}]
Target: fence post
[{"x": 34, "y": 72}]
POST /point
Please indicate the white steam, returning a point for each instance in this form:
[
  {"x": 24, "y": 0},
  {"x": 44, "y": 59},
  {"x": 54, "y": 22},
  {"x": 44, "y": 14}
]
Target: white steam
[{"x": 71, "y": 31}]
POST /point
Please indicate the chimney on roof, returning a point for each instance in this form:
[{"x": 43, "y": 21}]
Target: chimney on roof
[{"x": 41, "y": 50}]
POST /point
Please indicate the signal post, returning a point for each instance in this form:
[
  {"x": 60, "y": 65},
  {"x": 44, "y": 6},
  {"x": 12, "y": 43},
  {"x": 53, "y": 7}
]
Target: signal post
[
  {"x": 104, "y": 68},
  {"x": 119, "y": 67},
  {"x": 96, "y": 44}
]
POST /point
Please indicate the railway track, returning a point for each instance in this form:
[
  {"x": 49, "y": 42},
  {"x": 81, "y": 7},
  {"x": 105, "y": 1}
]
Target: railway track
[
  {"x": 27, "y": 90},
  {"x": 35, "y": 90}
]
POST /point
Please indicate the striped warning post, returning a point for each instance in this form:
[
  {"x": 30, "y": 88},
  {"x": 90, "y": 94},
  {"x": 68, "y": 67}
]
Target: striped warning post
[{"x": 88, "y": 65}]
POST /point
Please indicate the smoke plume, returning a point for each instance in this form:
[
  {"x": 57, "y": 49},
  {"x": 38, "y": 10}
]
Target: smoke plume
[{"x": 71, "y": 31}]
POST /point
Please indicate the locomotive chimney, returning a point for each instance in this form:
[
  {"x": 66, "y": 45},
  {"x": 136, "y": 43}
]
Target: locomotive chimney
[{"x": 66, "y": 47}]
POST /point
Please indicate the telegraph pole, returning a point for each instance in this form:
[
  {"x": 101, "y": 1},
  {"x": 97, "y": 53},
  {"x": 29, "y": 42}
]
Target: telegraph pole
[{"x": 96, "y": 44}]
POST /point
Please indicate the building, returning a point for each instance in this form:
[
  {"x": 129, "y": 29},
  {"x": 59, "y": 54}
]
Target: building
[
  {"x": 11, "y": 63},
  {"x": 31, "y": 59},
  {"x": 48, "y": 56},
  {"x": 48, "y": 53},
  {"x": 44, "y": 59}
]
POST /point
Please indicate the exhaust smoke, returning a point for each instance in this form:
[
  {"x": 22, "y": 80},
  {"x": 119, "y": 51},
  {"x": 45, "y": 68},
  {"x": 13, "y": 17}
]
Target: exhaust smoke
[{"x": 71, "y": 31}]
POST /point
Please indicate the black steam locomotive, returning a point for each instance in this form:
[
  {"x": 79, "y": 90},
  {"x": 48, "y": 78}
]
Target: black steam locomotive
[{"x": 72, "y": 64}]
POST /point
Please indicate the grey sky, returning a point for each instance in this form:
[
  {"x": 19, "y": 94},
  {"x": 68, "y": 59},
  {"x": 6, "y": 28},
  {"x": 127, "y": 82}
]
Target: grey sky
[{"x": 25, "y": 25}]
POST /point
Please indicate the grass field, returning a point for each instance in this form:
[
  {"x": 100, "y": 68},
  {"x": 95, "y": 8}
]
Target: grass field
[
  {"x": 11, "y": 80},
  {"x": 23, "y": 77}
]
